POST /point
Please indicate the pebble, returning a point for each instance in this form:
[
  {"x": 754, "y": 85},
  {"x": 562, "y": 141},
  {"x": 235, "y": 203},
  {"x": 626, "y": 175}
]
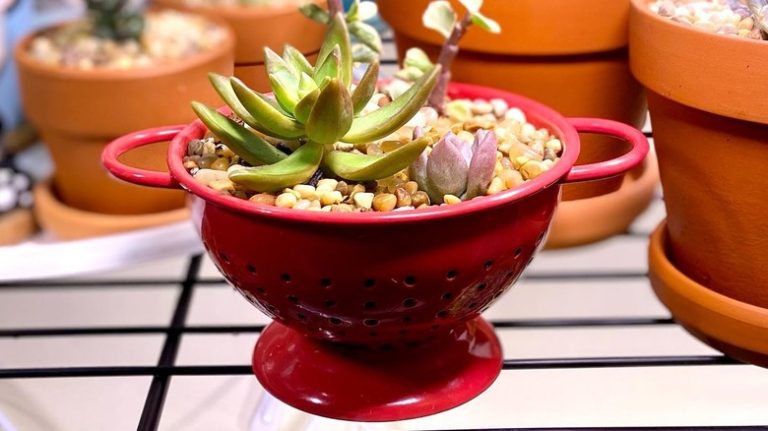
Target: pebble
[
  {"x": 263, "y": 198},
  {"x": 496, "y": 186},
  {"x": 403, "y": 198},
  {"x": 451, "y": 200},
  {"x": 532, "y": 169},
  {"x": 515, "y": 114},
  {"x": 384, "y": 202},
  {"x": 363, "y": 200},
  {"x": 208, "y": 176},
  {"x": 221, "y": 164},
  {"x": 725, "y": 17},
  {"x": 223, "y": 185},
  {"x": 420, "y": 199},
  {"x": 330, "y": 198},
  {"x": 511, "y": 178},
  {"x": 286, "y": 200},
  {"x": 500, "y": 107},
  {"x": 306, "y": 191}
]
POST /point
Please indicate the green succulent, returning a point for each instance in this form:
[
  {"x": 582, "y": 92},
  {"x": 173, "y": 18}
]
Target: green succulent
[
  {"x": 315, "y": 107},
  {"x": 113, "y": 19}
]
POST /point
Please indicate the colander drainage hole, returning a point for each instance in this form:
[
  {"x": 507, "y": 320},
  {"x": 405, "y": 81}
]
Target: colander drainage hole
[
  {"x": 251, "y": 269},
  {"x": 442, "y": 314},
  {"x": 406, "y": 319},
  {"x": 518, "y": 252},
  {"x": 286, "y": 277},
  {"x": 447, "y": 296},
  {"x": 293, "y": 298},
  {"x": 481, "y": 287},
  {"x": 329, "y": 303},
  {"x": 472, "y": 305},
  {"x": 301, "y": 316},
  {"x": 261, "y": 290},
  {"x": 488, "y": 265},
  {"x": 326, "y": 282},
  {"x": 451, "y": 275},
  {"x": 371, "y": 322},
  {"x": 334, "y": 321},
  {"x": 224, "y": 258},
  {"x": 373, "y": 334},
  {"x": 410, "y": 281},
  {"x": 409, "y": 303},
  {"x": 369, "y": 283},
  {"x": 370, "y": 305}
]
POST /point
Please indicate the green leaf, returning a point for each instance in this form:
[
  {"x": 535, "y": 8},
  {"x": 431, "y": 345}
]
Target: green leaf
[
  {"x": 223, "y": 86},
  {"x": 249, "y": 146},
  {"x": 269, "y": 118},
  {"x": 473, "y": 6},
  {"x": 363, "y": 54},
  {"x": 485, "y": 23},
  {"x": 440, "y": 17},
  {"x": 337, "y": 34},
  {"x": 360, "y": 167},
  {"x": 351, "y": 15},
  {"x": 330, "y": 67},
  {"x": 296, "y": 59},
  {"x": 305, "y": 105},
  {"x": 366, "y": 87},
  {"x": 388, "y": 119},
  {"x": 283, "y": 78},
  {"x": 294, "y": 169},
  {"x": 416, "y": 57},
  {"x": 332, "y": 115},
  {"x": 306, "y": 85},
  {"x": 366, "y": 34},
  {"x": 314, "y": 12}
]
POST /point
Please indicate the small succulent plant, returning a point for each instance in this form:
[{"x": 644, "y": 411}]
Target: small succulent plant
[
  {"x": 456, "y": 167},
  {"x": 759, "y": 11},
  {"x": 115, "y": 19},
  {"x": 368, "y": 46},
  {"x": 314, "y": 107}
]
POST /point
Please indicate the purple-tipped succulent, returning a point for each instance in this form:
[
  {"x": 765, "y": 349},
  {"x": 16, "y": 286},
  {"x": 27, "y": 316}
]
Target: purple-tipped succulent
[{"x": 456, "y": 167}]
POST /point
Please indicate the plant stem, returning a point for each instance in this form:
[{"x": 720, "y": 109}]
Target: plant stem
[
  {"x": 447, "y": 55},
  {"x": 334, "y": 7}
]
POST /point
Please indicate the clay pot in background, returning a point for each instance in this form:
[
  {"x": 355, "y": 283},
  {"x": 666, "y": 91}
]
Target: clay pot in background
[
  {"x": 257, "y": 26},
  {"x": 78, "y": 112},
  {"x": 569, "y": 54},
  {"x": 711, "y": 133}
]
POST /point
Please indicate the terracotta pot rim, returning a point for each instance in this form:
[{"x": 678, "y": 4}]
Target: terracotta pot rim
[
  {"x": 240, "y": 11},
  {"x": 48, "y": 207},
  {"x": 25, "y": 60},
  {"x": 642, "y": 7},
  {"x": 702, "y": 296}
]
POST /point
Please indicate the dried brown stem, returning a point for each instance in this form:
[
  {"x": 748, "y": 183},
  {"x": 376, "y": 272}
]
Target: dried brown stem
[{"x": 447, "y": 55}]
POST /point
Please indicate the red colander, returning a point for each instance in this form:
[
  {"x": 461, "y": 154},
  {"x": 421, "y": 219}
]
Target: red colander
[{"x": 377, "y": 315}]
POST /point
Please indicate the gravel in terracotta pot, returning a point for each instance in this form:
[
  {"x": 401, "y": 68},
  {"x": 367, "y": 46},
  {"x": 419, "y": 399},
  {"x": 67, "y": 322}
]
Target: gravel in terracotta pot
[
  {"x": 82, "y": 90},
  {"x": 325, "y": 170},
  {"x": 270, "y": 23},
  {"x": 710, "y": 127}
]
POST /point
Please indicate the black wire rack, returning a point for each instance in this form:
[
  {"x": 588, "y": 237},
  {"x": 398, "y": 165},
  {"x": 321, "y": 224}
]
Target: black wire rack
[{"x": 166, "y": 367}]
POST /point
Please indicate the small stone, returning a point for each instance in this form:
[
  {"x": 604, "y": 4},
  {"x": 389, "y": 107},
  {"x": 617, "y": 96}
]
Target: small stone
[
  {"x": 420, "y": 198},
  {"x": 527, "y": 133},
  {"x": 515, "y": 114},
  {"x": 342, "y": 208},
  {"x": 302, "y": 204},
  {"x": 223, "y": 186},
  {"x": 305, "y": 191},
  {"x": 511, "y": 178},
  {"x": 519, "y": 161},
  {"x": 532, "y": 169},
  {"x": 224, "y": 151},
  {"x": 327, "y": 185},
  {"x": 206, "y": 162},
  {"x": 481, "y": 108},
  {"x": 343, "y": 188},
  {"x": 411, "y": 187},
  {"x": 500, "y": 107},
  {"x": 220, "y": 164},
  {"x": 363, "y": 200},
  {"x": 459, "y": 111},
  {"x": 403, "y": 197},
  {"x": 264, "y": 199},
  {"x": 209, "y": 148},
  {"x": 286, "y": 200},
  {"x": 195, "y": 147},
  {"x": 451, "y": 199},
  {"x": 330, "y": 198},
  {"x": 496, "y": 186},
  {"x": 554, "y": 145},
  {"x": 207, "y": 176},
  {"x": 384, "y": 202},
  {"x": 190, "y": 164}
]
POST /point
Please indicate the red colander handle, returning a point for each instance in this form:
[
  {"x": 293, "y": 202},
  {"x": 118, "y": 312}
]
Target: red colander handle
[
  {"x": 613, "y": 167},
  {"x": 143, "y": 177}
]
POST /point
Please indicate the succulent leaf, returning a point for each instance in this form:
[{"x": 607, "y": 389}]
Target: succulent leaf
[
  {"x": 306, "y": 85},
  {"x": 296, "y": 59},
  {"x": 305, "y": 105},
  {"x": 447, "y": 168},
  {"x": 366, "y": 34},
  {"x": 361, "y": 167},
  {"x": 366, "y": 87},
  {"x": 294, "y": 169},
  {"x": 485, "y": 23},
  {"x": 440, "y": 17},
  {"x": 269, "y": 118},
  {"x": 330, "y": 67},
  {"x": 473, "y": 6},
  {"x": 388, "y": 119},
  {"x": 223, "y": 87},
  {"x": 483, "y": 163},
  {"x": 338, "y": 34},
  {"x": 314, "y": 12},
  {"x": 249, "y": 146},
  {"x": 283, "y": 79},
  {"x": 332, "y": 115},
  {"x": 363, "y": 54},
  {"x": 416, "y": 57}
]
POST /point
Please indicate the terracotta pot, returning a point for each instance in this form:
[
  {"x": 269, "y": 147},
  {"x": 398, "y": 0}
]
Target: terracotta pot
[
  {"x": 16, "y": 226},
  {"x": 68, "y": 223},
  {"x": 710, "y": 131},
  {"x": 568, "y": 54},
  {"x": 77, "y": 112},
  {"x": 255, "y": 27},
  {"x": 421, "y": 308},
  {"x": 736, "y": 328}
]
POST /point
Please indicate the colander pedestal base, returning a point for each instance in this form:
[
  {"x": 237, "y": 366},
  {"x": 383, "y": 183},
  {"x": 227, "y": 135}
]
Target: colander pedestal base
[{"x": 358, "y": 384}]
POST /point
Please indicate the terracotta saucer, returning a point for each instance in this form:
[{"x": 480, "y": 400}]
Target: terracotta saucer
[
  {"x": 590, "y": 220},
  {"x": 738, "y": 329},
  {"x": 16, "y": 226},
  {"x": 68, "y": 223}
]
